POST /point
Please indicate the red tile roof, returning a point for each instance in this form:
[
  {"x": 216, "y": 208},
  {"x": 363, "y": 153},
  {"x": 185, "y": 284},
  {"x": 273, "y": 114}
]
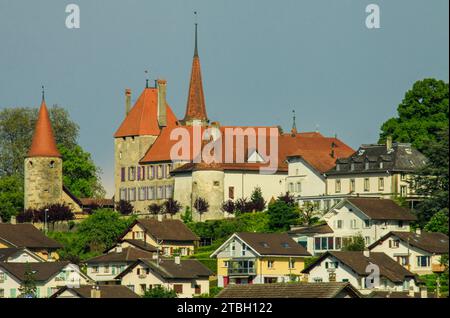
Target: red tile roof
[
  {"x": 143, "y": 117},
  {"x": 196, "y": 108},
  {"x": 43, "y": 144}
]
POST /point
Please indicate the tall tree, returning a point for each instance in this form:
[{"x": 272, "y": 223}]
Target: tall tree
[
  {"x": 282, "y": 215},
  {"x": 422, "y": 114},
  {"x": 201, "y": 206},
  {"x": 171, "y": 207},
  {"x": 257, "y": 200},
  {"x": 28, "y": 287},
  {"x": 11, "y": 197}
]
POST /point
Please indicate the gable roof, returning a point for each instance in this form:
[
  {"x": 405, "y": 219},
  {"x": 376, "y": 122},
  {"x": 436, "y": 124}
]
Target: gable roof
[
  {"x": 381, "y": 209},
  {"x": 168, "y": 269},
  {"x": 25, "y": 235},
  {"x": 143, "y": 117},
  {"x": 43, "y": 271},
  {"x": 289, "y": 290},
  {"x": 427, "y": 241},
  {"x": 270, "y": 244},
  {"x": 6, "y": 253},
  {"x": 166, "y": 230},
  {"x": 142, "y": 245},
  {"x": 128, "y": 255},
  {"x": 358, "y": 262},
  {"x": 106, "y": 291}
]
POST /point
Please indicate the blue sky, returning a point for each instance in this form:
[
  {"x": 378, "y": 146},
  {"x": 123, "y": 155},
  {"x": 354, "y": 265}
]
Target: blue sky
[{"x": 260, "y": 59}]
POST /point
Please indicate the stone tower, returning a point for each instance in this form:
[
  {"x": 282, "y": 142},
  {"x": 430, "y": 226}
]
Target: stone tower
[{"x": 43, "y": 166}]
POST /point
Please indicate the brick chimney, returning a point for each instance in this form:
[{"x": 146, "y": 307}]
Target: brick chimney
[
  {"x": 162, "y": 104},
  {"x": 127, "y": 101},
  {"x": 389, "y": 143}
]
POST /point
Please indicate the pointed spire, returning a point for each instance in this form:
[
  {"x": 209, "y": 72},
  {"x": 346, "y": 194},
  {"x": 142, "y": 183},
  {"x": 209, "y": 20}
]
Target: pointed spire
[
  {"x": 294, "y": 125},
  {"x": 196, "y": 107},
  {"x": 43, "y": 144}
]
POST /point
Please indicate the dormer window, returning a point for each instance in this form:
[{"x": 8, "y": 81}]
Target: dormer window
[
  {"x": 338, "y": 167},
  {"x": 381, "y": 165},
  {"x": 352, "y": 167}
]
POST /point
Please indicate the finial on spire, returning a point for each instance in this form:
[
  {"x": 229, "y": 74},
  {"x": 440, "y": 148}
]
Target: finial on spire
[
  {"x": 294, "y": 125},
  {"x": 196, "y": 37},
  {"x": 146, "y": 80},
  {"x": 43, "y": 93}
]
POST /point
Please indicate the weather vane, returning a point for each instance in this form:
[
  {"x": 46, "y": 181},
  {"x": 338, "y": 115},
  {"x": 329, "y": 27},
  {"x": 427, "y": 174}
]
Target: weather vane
[{"x": 146, "y": 80}]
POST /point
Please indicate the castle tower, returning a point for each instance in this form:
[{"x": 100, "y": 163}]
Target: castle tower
[
  {"x": 43, "y": 165},
  {"x": 196, "y": 107}
]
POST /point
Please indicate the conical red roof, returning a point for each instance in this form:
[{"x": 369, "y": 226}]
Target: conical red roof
[
  {"x": 43, "y": 144},
  {"x": 196, "y": 108}
]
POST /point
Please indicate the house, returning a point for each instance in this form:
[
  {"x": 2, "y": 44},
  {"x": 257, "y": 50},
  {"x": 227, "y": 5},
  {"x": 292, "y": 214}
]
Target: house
[
  {"x": 187, "y": 278},
  {"x": 106, "y": 267},
  {"x": 370, "y": 218},
  {"x": 26, "y": 235},
  {"x": 48, "y": 276},
  {"x": 291, "y": 290},
  {"x": 19, "y": 255},
  {"x": 376, "y": 170},
  {"x": 357, "y": 268},
  {"x": 257, "y": 258},
  {"x": 420, "y": 252},
  {"x": 100, "y": 291},
  {"x": 169, "y": 236}
]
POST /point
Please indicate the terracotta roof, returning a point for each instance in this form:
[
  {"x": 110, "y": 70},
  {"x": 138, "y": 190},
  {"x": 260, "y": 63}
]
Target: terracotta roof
[
  {"x": 429, "y": 242},
  {"x": 381, "y": 209},
  {"x": 106, "y": 291},
  {"x": 143, "y": 117},
  {"x": 289, "y": 290},
  {"x": 42, "y": 270},
  {"x": 142, "y": 245},
  {"x": 389, "y": 268},
  {"x": 25, "y": 235},
  {"x": 168, "y": 269},
  {"x": 128, "y": 254},
  {"x": 314, "y": 229},
  {"x": 273, "y": 244},
  {"x": 166, "y": 230},
  {"x": 43, "y": 144},
  {"x": 196, "y": 107}
]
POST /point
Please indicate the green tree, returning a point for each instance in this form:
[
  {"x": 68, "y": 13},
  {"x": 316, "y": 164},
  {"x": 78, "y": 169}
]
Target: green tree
[
  {"x": 422, "y": 113},
  {"x": 432, "y": 182},
  {"x": 201, "y": 206},
  {"x": 28, "y": 287},
  {"x": 171, "y": 207},
  {"x": 356, "y": 243},
  {"x": 11, "y": 197},
  {"x": 257, "y": 200},
  {"x": 282, "y": 215},
  {"x": 309, "y": 214},
  {"x": 124, "y": 207},
  {"x": 438, "y": 222},
  {"x": 160, "y": 292},
  {"x": 80, "y": 174},
  {"x": 186, "y": 217}
]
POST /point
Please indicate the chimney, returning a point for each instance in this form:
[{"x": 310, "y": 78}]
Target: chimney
[
  {"x": 423, "y": 292},
  {"x": 119, "y": 248},
  {"x": 162, "y": 104},
  {"x": 127, "y": 101},
  {"x": 177, "y": 260},
  {"x": 95, "y": 292},
  {"x": 411, "y": 292},
  {"x": 389, "y": 143}
]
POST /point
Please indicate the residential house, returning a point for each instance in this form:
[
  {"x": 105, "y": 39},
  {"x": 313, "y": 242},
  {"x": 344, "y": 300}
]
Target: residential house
[
  {"x": 257, "y": 258},
  {"x": 370, "y": 218},
  {"x": 187, "y": 278},
  {"x": 106, "y": 267},
  {"x": 18, "y": 255},
  {"x": 291, "y": 290},
  {"x": 49, "y": 277},
  {"x": 100, "y": 291},
  {"x": 169, "y": 236},
  {"x": 26, "y": 235},
  {"x": 420, "y": 252},
  {"x": 360, "y": 269}
]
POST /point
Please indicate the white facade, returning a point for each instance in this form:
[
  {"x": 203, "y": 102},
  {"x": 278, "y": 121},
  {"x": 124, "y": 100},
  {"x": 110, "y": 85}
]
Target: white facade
[{"x": 303, "y": 180}]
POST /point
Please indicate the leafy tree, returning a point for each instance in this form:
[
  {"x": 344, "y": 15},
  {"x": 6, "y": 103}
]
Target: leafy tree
[
  {"x": 257, "y": 200},
  {"x": 432, "y": 182},
  {"x": 80, "y": 175},
  {"x": 186, "y": 217},
  {"x": 422, "y": 113},
  {"x": 438, "y": 222},
  {"x": 243, "y": 205},
  {"x": 356, "y": 243},
  {"x": 159, "y": 292},
  {"x": 26, "y": 216},
  {"x": 28, "y": 287},
  {"x": 287, "y": 198},
  {"x": 154, "y": 208},
  {"x": 11, "y": 197},
  {"x": 201, "y": 206},
  {"x": 282, "y": 215},
  {"x": 228, "y": 206},
  {"x": 124, "y": 207},
  {"x": 309, "y": 214},
  {"x": 171, "y": 206}
]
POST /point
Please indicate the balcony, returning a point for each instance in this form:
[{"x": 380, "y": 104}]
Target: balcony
[
  {"x": 437, "y": 268},
  {"x": 244, "y": 271}
]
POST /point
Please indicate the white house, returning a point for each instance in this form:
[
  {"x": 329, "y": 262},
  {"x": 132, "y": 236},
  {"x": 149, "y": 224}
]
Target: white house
[
  {"x": 419, "y": 252},
  {"x": 19, "y": 255},
  {"x": 369, "y": 217},
  {"x": 355, "y": 268}
]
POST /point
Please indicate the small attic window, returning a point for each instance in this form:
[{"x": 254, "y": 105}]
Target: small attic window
[
  {"x": 30, "y": 164},
  {"x": 338, "y": 167},
  {"x": 352, "y": 167},
  {"x": 285, "y": 245},
  {"x": 366, "y": 165},
  {"x": 381, "y": 164},
  {"x": 52, "y": 164},
  {"x": 264, "y": 244}
]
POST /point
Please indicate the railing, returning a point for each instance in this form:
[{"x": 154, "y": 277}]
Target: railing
[
  {"x": 437, "y": 268},
  {"x": 242, "y": 271}
]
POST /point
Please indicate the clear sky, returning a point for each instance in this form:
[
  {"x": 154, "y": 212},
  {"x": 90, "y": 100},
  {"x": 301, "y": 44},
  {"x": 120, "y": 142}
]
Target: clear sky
[{"x": 260, "y": 59}]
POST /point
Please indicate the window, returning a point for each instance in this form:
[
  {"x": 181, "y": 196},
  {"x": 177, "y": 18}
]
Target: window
[
  {"x": 366, "y": 224},
  {"x": 138, "y": 173},
  {"x": 330, "y": 243},
  {"x": 402, "y": 176},
  {"x": 339, "y": 224},
  {"x": 394, "y": 243},
  {"x": 142, "y": 194},
  {"x": 231, "y": 193},
  {"x": 226, "y": 264},
  {"x": 270, "y": 264},
  {"x": 2, "y": 293},
  {"x": 178, "y": 288},
  {"x": 317, "y": 279},
  {"x": 122, "y": 174},
  {"x": 338, "y": 186},
  {"x": 381, "y": 165},
  {"x": 132, "y": 194},
  {"x": 352, "y": 185},
  {"x": 323, "y": 243},
  {"x": 123, "y": 194},
  {"x": 13, "y": 293},
  {"x": 169, "y": 191},
  {"x": 94, "y": 269},
  {"x": 353, "y": 224},
  {"x": 131, "y": 173},
  {"x": 299, "y": 187},
  {"x": 151, "y": 172},
  {"x": 400, "y": 224},
  {"x": 338, "y": 243},
  {"x": 160, "y": 194},
  {"x": 244, "y": 249},
  {"x": 197, "y": 289},
  {"x": 151, "y": 193},
  {"x": 2, "y": 277},
  {"x": 291, "y": 264},
  {"x": 403, "y": 191},
  {"x": 169, "y": 170},
  {"x": 423, "y": 261},
  {"x": 317, "y": 243},
  {"x": 143, "y": 288},
  {"x": 52, "y": 164},
  {"x": 160, "y": 172},
  {"x": 106, "y": 269},
  {"x": 403, "y": 260},
  {"x": 366, "y": 185},
  {"x": 291, "y": 187},
  {"x": 367, "y": 240},
  {"x": 338, "y": 167},
  {"x": 380, "y": 184},
  {"x": 216, "y": 183}
]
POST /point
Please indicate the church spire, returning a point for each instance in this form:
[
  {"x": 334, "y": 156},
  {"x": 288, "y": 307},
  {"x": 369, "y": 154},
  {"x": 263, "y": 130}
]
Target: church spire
[
  {"x": 196, "y": 107},
  {"x": 294, "y": 125},
  {"x": 43, "y": 144}
]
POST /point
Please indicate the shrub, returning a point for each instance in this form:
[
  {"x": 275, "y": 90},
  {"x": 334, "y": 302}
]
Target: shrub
[
  {"x": 124, "y": 207},
  {"x": 160, "y": 292}
]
